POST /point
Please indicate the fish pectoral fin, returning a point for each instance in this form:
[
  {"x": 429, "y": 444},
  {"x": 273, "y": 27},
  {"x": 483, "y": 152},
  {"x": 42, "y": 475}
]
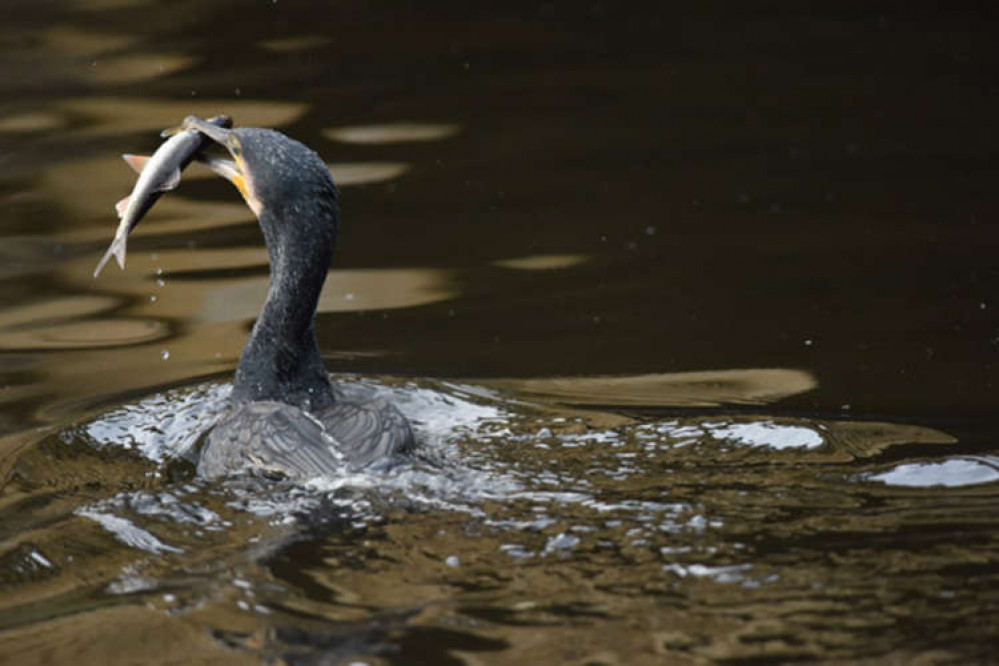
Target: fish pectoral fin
[
  {"x": 171, "y": 181},
  {"x": 122, "y": 205},
  {"x": 137, "y": 162}
]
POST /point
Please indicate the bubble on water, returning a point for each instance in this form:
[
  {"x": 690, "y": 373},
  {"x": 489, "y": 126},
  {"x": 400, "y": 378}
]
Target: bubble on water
[{"x": 165, "y": 354}]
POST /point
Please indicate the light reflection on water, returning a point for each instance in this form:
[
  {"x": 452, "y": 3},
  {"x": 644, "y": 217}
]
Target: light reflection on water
[
  {"x": 636, "y": 517},
  {"x": 965, "y": 471},
  {"x": 497, "y": 482}
]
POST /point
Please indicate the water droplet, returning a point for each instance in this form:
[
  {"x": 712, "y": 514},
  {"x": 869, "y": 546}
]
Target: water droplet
[
  {"x": 349, "y": 296},
  {"x": 152, "y": 299},
  {"x": 165, "y": 354}
]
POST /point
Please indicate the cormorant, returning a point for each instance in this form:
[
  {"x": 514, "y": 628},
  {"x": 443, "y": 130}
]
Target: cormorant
[{"x": 286, "y": 417}]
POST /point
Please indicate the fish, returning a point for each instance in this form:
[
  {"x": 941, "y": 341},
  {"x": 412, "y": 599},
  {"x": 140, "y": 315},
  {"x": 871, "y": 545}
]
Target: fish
[{"x": 158, "y": 173}]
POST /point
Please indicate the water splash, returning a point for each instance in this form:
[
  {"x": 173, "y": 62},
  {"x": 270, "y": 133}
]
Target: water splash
[{"x": 953, "y": 473}]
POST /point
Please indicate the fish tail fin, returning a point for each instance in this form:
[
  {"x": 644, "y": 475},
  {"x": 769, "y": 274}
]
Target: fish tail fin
[
  {"x": 117, "y": 249},
  {"x": 103, "y": 262}
]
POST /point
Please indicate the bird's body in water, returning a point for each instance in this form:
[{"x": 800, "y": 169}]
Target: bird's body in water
[{"x": 286, "y": 417}]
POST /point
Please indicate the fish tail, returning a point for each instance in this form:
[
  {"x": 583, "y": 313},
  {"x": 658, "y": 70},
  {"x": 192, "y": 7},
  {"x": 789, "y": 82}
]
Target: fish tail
[{"x": 117, "y": 249}]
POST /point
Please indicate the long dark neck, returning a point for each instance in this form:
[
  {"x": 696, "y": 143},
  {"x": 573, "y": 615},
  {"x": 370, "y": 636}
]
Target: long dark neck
[{"x": 281, "y": 360}]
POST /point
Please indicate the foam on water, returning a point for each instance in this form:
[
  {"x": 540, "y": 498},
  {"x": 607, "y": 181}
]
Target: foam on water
[
  {"x": 127, "y": 532},
  {"x": 164, "y": 425},
  {"x": 953, "y": 473},
  {"x": 476, "y": 456}
]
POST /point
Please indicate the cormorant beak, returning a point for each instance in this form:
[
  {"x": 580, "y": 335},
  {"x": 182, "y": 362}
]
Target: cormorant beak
[{"x": 232, "y": 170}]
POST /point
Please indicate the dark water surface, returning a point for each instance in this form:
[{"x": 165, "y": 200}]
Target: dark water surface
[{"x": 694, "y": 309}]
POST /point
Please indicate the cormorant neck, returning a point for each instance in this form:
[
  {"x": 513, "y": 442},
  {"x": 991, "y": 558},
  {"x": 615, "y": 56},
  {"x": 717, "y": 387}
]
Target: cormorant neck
[{"x": 281, "y": 360}]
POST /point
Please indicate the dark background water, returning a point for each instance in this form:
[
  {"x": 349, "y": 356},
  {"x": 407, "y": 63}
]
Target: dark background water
[
  {"x": 807, "y": 186},
  {"x": 779, "y": 185}
]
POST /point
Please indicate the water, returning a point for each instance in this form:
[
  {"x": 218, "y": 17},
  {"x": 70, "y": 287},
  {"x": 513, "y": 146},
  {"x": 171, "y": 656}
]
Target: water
[{"x": 692, "y": 310}]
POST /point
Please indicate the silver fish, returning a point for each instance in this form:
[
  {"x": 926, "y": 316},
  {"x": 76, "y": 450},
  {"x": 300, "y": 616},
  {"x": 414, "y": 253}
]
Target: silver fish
[{"x": 157, "y": 174}]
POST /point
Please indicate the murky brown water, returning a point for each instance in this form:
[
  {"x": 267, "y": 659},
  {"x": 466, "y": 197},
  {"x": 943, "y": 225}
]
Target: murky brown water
[{"x": 694, "y": 309}]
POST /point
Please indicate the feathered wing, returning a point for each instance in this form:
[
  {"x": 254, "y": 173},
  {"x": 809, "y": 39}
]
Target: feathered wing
[
  {"x": 270, "y": 438},
  {"x": 369, "y": 430}
]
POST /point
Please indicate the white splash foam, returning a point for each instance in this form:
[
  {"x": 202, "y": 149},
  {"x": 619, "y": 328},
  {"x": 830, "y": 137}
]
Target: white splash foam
[
  {"x": 952, "y": 473},
  {"x": 128, "y": 532},
  {"x": 768, "y": 434}
]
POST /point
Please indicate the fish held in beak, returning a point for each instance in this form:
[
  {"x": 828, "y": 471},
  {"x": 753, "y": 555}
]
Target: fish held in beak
[
  {"x": 233, "y": 170},
  {"x": 157, "y": 174}
]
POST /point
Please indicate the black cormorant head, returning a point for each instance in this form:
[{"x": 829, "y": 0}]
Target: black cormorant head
[{"x": 283, "y": 182}]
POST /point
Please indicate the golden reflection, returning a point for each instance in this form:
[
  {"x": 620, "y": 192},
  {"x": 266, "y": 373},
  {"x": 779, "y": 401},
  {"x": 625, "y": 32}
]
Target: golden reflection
[
  {"x": 82, "y": 334},
  {"x": 541, "y": 262},
  {"x": 214, "y": 300},
  {"x": 294, "y": 44},
  {"x": 90, "y": 188},
  {"x": 34, "y": 121},
  {"x": 344, "y": 173},
  {"x": 115, "y": 116},
  {"x": 69, "y": 307},
  {"x": 55, "y": 325},
  {"x": 346, "y": 291},
  {"x": 137, "y": 67},
  {"x": 70, "y": 40},
  {"x": 709, "y": 388},
  {"x": 865, "y": 439},
  {"x": 392, "y": 133},
  {"x": 139, "y": 635},
  {"x": 215, "y": 309},
  {"x": 366, "y": 173}
]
